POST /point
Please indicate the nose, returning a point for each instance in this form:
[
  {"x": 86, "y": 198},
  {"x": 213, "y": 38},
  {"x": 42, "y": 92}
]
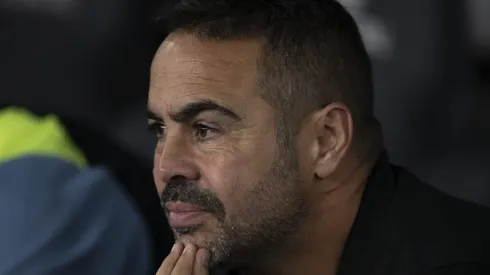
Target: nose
[{"x": 174, "y": 159}]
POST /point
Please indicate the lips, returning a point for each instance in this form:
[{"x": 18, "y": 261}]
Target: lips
[
  {"x": 179, "y": 207},
  {"x": 181, "y": 215}
]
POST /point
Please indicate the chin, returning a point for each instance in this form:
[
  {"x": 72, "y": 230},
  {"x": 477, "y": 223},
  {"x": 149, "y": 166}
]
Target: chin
[
  {"x": 198, "y": 236},
  {"x": 186, "y": 239}
]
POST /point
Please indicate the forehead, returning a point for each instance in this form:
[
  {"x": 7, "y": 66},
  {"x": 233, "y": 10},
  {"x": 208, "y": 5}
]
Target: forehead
[{"x": 186, "y": 67}]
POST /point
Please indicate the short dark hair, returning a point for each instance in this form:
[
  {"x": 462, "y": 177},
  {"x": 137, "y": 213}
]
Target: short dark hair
[{"x": 312, "y": 55}]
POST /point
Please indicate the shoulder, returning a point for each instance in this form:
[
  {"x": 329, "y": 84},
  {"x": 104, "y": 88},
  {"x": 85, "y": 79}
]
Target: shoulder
[
  {"x": 458, "y": 269},
  {"x": 438, "y": 229},
  {"x": 426, "y": 205},
  {"x": 406, "y": 227}
]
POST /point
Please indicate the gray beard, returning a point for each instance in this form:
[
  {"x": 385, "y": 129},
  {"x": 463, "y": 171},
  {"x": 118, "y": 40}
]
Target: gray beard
[{"x": 277, "y": 211}]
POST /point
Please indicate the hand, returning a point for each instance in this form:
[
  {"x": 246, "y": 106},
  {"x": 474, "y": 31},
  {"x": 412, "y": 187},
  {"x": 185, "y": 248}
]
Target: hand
[{"x": 188, "y": 260}]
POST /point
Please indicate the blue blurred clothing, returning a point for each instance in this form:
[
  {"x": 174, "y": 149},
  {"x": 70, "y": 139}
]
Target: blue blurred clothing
[{"x": 59, "y": 216}]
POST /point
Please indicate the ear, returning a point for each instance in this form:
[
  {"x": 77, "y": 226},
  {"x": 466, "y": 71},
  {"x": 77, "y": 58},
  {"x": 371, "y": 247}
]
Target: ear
[{"x": 334, "y": 130}]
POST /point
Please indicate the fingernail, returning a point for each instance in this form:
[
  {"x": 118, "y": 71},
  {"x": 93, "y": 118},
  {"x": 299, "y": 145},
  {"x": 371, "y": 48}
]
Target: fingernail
[
  {"x": 205, "y": 259},
  {"x": 188, "y": 247},
  {"x": 175, "y": 247}
]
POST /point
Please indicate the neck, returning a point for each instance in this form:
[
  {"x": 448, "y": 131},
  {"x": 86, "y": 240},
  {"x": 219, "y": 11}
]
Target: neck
[{"x": 318, "y": 245}]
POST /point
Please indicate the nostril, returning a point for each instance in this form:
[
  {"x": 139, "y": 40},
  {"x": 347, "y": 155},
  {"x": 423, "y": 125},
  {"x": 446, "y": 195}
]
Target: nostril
[{"x": 178, "y": 178}]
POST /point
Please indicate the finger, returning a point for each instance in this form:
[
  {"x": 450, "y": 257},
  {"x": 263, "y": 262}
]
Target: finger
[
  {"x": 202, "y": 262},
  {"x": 185, "y": 264},
  {"x": 172, "y": 258}
]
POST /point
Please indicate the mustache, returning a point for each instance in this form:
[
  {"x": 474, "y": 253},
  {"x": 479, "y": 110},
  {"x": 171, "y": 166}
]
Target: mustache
[{"x": 189, "y": 192}]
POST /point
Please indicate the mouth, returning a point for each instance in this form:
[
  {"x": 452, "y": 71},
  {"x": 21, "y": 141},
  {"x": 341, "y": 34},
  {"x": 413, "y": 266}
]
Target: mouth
[{"x": 182, "y": 215}]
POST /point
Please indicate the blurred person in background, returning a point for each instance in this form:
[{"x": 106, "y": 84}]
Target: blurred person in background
[
  {"x": 70, "y": 72},
  {"x": 59, "y": 215},
  {"x": 269, "y": 159}
]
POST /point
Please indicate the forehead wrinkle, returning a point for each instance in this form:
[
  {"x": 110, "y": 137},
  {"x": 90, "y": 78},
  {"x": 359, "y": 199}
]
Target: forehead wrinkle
[
  {"x": 203, "y": 78},
  {"x": 218, "y": 54},
  {"x": 195, "y": 68}
]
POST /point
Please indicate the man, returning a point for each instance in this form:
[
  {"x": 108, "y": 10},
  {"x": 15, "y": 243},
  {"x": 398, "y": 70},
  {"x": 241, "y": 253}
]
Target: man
[{"x": 269, "y": 159}]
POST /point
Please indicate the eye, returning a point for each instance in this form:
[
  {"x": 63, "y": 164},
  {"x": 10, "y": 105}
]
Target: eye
[
  {"x": 203, "y": 132},
  {"x": 157, "y": 129}
]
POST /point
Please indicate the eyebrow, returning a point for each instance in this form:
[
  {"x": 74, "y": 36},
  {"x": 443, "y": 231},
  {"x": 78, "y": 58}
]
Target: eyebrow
[{"x": 193, "y": 109}]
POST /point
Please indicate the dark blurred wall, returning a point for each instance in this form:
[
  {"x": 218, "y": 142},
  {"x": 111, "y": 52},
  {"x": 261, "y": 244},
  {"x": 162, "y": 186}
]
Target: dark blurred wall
[
  {"x": 427, "y": 98},
  {"x": 432, "y": 110},
  {"x": 88, "y": 60}
]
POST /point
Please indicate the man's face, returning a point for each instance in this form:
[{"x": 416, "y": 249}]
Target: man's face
[{"x": 225, "y": 181}]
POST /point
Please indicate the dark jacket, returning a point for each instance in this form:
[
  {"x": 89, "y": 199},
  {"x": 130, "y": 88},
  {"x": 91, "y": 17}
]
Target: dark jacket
[{"x": 406, "y": 227}]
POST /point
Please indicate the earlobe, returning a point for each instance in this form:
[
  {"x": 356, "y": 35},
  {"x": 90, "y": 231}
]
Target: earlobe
[{"x": 334, "y": 134}]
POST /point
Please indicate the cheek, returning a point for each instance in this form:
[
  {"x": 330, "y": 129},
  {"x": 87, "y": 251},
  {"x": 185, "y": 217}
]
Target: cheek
[
  {"x": 230, "y": 176},
  {"x": 224, "y": 174},
  {"x": 239, "y": 165},
  {"x": 156, "y": 180}
]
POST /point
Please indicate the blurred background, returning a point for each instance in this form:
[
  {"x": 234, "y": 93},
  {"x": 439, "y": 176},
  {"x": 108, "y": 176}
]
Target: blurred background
[{"x": 89, "y": 61}]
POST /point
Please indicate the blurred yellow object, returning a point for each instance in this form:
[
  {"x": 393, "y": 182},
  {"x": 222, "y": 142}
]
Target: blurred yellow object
[{"x": 23, "y": 133}]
